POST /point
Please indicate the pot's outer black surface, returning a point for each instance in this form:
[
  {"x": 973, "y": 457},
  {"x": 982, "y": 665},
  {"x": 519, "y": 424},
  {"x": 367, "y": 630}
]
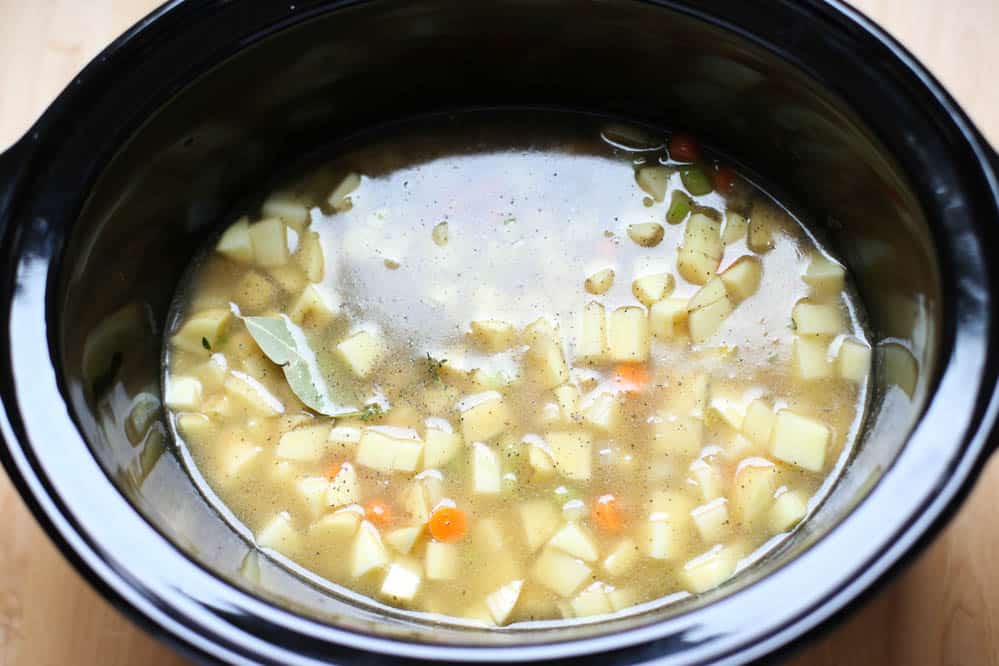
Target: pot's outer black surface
[{"x": 140, "y": 570}]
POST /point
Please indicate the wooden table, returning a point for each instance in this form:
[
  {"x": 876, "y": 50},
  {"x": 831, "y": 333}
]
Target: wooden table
[{"x": 943, "y": 610}]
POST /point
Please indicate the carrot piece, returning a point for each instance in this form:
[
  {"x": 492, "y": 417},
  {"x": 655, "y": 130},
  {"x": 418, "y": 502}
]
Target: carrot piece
[
  {"x": 448, "y": 524},
  {"x": 379, "y": 513},
  {"x": 683, "y": 148},
  {"x": 333, "y": 470},
  {"x": 724, "y": 179},
  {"x": 607, "y": 513},
  {"x": 631, "y": 377}
]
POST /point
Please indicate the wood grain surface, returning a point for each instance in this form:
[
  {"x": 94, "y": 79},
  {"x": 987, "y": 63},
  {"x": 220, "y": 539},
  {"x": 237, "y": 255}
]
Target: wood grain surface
[{"x": 943, "y": 610}]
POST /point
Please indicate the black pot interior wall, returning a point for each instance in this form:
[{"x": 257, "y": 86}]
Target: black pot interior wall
[{"x": 191, "y": 164}]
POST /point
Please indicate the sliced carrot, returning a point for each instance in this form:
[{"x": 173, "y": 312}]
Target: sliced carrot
[
  {"x": 724, "y": 179},
  {"x": 607, "y": 513},
  {"x": 683, "y": 148},
  {"x": 448, "y": 524},
  {"x": 631, "y": 377},
  {"x": 378, "y": 512},
  {"x": 333, "y": 470}
]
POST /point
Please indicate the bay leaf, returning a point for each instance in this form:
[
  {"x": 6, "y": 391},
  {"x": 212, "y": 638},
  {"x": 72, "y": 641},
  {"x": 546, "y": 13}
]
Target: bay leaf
[{"x": 284, "y": 343}]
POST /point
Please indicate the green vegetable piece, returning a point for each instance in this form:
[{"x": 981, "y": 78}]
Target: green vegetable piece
[
  {"x": 207, "y": 345},
  {"x": 434, "y": 367},
  {"x": 695, "y": 181},
  {"x": 679, "y": 207}
]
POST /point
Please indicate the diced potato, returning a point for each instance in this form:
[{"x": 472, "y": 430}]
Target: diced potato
[
  {"x": 493, "y": 335},
  {"x": 709, "y": 570},
  {"x": 336, "y": 527},
  {"x": 545, "y": 353},
  {"x": 573, "y": 453},
  {"x": 483, "y": 416},
  {"x": 622, "y": 558},
  {"x": 758, "y": 423},
  {"x": 442, "y": 561},
  {"x": 668, "y": 318},
  {"x": 487, "y": 472},
  {"x": 402, "y": 581},
  {"x": 622, "y": 597},
  {"x": 312, "y": 490},
  {"x": 688, "y": 395},
  {"x": 315, "y": 306},
  {"x": 270, "y": 242},
  {"x": 310, "y": 256},
  {"x": 439, "y": 447},
  {"x": 344, "y": 488},
  {"x": 346, "y": 437},
  {"x": 646, "y": 234},
  {"x": 765, "y": 220},
  {"x": 339, "y": 198},
  {"x": 650, "y": 289},
  {"x": 238, "y": 453},
  {"x": 694, "y": 266},
  {"x": 599, "y": 282},
  {"x": 753, "y": 490},
  {"x": 193, "y": 426},
  {"x": 628, "y": 338},
  {"x": 708, "y": 479},
  {"x": 249, "y": 392},
  {"x": 539, "y": 457},
  {"x": 788, "y": 510},
  {"x": 575, "y": 510},
  {"x": 403, "y": 539},
  {"x": 603, "y": 413},
  {"x": 362, "y": 352},
  {"x": 726, "y": 411},
  {"x": 705, "y": 321},
  {"x": 539, "y": 519},
  {"x": 289, "y": 277},
  {"x": 678, "y": 435},
  {"x": 305, "y": 444},
  {"x": 255, "y": 292},
  {"x": 854, "y": 360},
  {"x": 235, "y": 242},
  {"x": 661, "y": 539},
  {"x": 810, "y": 357},
  {"x": 591, "y": 343},
  {"x": 742, "y": 278},
  {"x": 825, "y": 276},
  {"x": 653, "y": 180},
  {"x": 575, "y": 541},
  {"x": 567, "y": 397},
  {"x": 489, "y": 536},
  {"x": 735, "y": 228},
  {"x": 817, "y": 319},
  {"x": 560, "y": 573},
  {"x": 417, "y": 502},
  {"x": 390, "y": 449},
  {"x": 201, "y": 332},
  {"x": 702, "y": 249},
  {"x": 800, "y": 440},
  {"x": 292, "y": 212},
  {"x": 592, "y": 601},
  {"x": 183, "y": 393},
  {"x": 714, "y": 290},
  {"x": 502, "y": 601},
  {"x": 368, "y": 552},
  {"x": 712, "y": 520},
  {"x": 440, "y": 234},
  {"x": 279, "y": 534}
]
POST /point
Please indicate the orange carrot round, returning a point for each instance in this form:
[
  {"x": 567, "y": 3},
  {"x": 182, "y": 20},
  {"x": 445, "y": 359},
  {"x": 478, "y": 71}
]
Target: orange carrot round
[
  {"x": 448, "y": 524},
  {"x": 631, "y": 377},
  {"x": 378, "y": 512},
  {"x": 724, "y": 179},
  {"x": 607, "y": 513},
  {"x": 683, "y": 148},
  {"x": 333, "y": 470}
]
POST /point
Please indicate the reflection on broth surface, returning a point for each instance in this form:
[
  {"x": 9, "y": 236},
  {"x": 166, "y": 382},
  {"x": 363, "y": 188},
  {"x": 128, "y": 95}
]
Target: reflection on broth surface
[{"x": 518, "y": 374}]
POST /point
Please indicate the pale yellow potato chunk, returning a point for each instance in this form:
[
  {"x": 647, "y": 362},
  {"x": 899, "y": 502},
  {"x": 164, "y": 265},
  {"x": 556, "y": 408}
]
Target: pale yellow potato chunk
[
  {"x": 678, "y": 435},
  {"x": 492, "y": 335},
  {"x": 502, "y": 601},
  {"x": 853, "y": 361},
  {"x": 539, "y": 519},
  {"x": 270, "y": 242},
  {"x": 811, "y": 361},
  {"x": 603, "y": 413},
  {"x": 486, "y": 470},
  {"x": 753, "y": 490},
  {"x": 390, "y": 449},
  {"x": 742, "y": 278},
  {"x": 442, "y": 561},
  {"x": 628, "y": 338},
  {"x": 183, "y": 393},
  {"x": 309, "y": 256},
  {"x": 800, "y": 440},
  {"x": 701, "y": 251},
  {"x": 758, "y": 422},
  {"x": 203, "y": 327},
  {"x": 591, "y": 341},
  {"x": 649, "y": 289},
  {"x": 709, "y": 570},
  {"x": 817, "y": 318},
  {"x": 573, "y": 453},
  {"x": 576, "y": 541},
  {"x": 440, "y": 446},
  {"x": 484, "y": 416},
  {"x": 545, "y": 353},
  {"x": 368, "y": 552},
  {"x": 661, "y": 538},
  {"x": 402, "y": 581},
  {"x": 344, "y": 488},
  {"x": 362, "y": 352},
  {"x": 668, "y": 318},
  {"x": 335, "y": 527},
  {"x": 593, "y": 600},
  {"x": 705, "y": 321},
  {"x": 235, "y": 242},
  {"x": 622, "y": 557},
  {"x": 560, "y": 573},
  {"x": 279, "y": 534},
  {"x": 599, "y": 282},
  {"x": 339, "y": 198},
  {"x": 646, "y": 234},
  {"x": 825, "y": 276},
  {"x": 304, "y": 444},
  {"x": 313, "y": 306},
  {"x": 653, "y": 180},
  {"x": 735, "y": 228},
  {"x": 788, "y": 510},
  {"x": 292, "y": 212}
]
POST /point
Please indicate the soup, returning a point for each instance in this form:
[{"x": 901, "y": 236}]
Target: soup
[{"x": 520, "y": 370}]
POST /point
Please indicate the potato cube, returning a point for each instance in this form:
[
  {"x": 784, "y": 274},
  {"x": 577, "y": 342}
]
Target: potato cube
[
  {"x": 709, "y": 570},
  {"x": 817, "y": 319},
  {"x": 575, "y": 541},
  {"x": 493, "y": 335},
  {"x": 726, "y": 411},
  {"x": 742, "y": 278},
  {"x": 314, "y": 306},
  {"x": 235, "y": 242},
  {"x": 539, "y": 457},
  {"x": 196, "y": 427},
  {"x": 304, "y": 444},
  {"x": 487, "y": 471},
  {"x": 309, "y": 256},
  {"x": 201, "y": 332},
  {"x": 255, "y": 292},
  {"x": 708, "y": 479},
  {"x": 567, "y": 397},
  {"x": 854, "y": 360},
  {"x": 344, "y": 436},
  {"x": 403, "y": 539},
  {"x": 735, "y": 228},
  {"x": 800, "y": 440},
  {"x": 661, "y": 539},
  {"x": 646, "y": 234},
  {"x": 292, "y": 212},
  {"x": 753, "y": 490},
  {"x": 704, "y": 322},
  {"x": 336, "y": 527},
  {"x": 502, "y": 601},
  {"x": 668, "y": 318},
  {"x": 417, "y": 502},
  {"x": 442, "y": 561},
  {"x": 592, "y": 601},
  {"x": 390, "y": 449},
  {"x": 439, "y": 447},
  {"x": 591, "y": 341},
  {"x": 678, "y": 435},
  {"x": 368, "y": 552},
  {"x": 183, "y": 393},
  {"x": 788, "y": 510},
  {"x": 714, "y": 290},
  {"x": 701, "y": 251},
  {"x": 712, "y": 520},
  {"x": 312, "y": 490},
  {"x": 238, "y": 453},
  {"x": 344, "y": 488},
  {"x": 560, "y": 573},
  {"x": 622, "y": 558},
  {"x": 483, "y": 416},
  {"x": 810, "y": 357},
  {"x": 279, "y": 534},
  {"x": 573, "y": 453},
  {"x": 402, "y": 581},
  {"x": 825, "y": 276},
  {"x": 622, "y": 597},
  {"x": 339, "y": 198},
  {"x": 628, "y": 339},
  {"x": 653, "y": 179},
  {"x": 270, "y": 242},
  {"x": 695, "y": 266},
  {"x": 289, "y": 278},
  {"x": 539, "y": 519},
  {"x": 688, "y": 395},
  {"x": 758, "y": 423},
  {"x": 671, "y": 505},
  {"x": 650, "y": 289},
  {"x": 765, "y": 220},
  {"x": 489, "y": 536},
  {"x": 545, "y": 353},
  {"x": 362, "y": 352},
  {"x": 603, "y": 413},
  {"x": 600, "y": 282}
]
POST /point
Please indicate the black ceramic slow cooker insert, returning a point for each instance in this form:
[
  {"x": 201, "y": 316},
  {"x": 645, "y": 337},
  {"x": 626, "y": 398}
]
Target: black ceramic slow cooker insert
[{"x": 150, "y": 148}]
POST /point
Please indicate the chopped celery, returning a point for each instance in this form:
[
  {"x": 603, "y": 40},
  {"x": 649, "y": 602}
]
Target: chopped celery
[
  {"x": 696, "y": 182},
  {"x": 679, "y": 207}
]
